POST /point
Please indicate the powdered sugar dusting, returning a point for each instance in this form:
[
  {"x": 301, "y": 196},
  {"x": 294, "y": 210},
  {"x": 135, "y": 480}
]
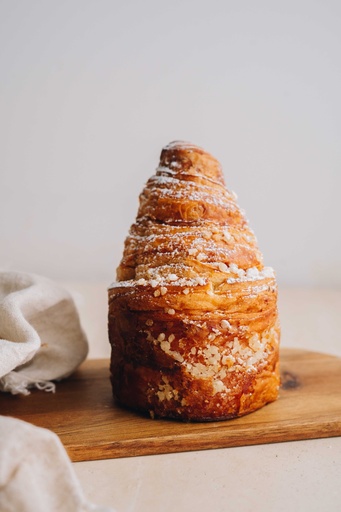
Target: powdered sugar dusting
[{"x": 177, "y": 189}]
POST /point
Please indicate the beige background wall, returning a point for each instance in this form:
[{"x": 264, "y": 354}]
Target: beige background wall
[{"x": 91, "y": 90}]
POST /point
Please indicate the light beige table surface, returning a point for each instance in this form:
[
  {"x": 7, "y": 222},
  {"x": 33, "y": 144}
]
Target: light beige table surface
[{"x": 297, "y": 476}]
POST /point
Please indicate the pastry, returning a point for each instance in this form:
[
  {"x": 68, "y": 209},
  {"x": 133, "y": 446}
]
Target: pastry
[{"x": 193, "y": 320}]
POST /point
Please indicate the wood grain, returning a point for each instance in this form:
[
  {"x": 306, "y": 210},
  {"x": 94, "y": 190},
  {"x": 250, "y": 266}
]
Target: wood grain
[{"x": 91, "y": 426}]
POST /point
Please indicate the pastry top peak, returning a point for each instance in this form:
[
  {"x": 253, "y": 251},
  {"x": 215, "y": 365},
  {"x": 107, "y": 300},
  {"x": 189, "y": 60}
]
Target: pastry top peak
[{"x": 184, "y": 158}]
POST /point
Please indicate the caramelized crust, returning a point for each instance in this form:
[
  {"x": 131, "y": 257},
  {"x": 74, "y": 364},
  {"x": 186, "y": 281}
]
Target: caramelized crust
[{"x": 193, "y": 320}]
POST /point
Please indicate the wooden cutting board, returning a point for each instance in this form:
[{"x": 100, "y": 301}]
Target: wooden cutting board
[{"x": 90, "y": 425}]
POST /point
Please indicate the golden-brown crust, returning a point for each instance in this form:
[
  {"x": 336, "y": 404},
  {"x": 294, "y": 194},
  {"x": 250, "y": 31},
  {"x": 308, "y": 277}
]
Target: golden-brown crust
[{"x": 193, "y": 319}]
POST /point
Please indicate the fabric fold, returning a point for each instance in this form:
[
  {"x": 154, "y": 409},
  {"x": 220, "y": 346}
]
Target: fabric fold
[
  {"x": 36, "y": 474},
  {"x": 41, "y": 338}
]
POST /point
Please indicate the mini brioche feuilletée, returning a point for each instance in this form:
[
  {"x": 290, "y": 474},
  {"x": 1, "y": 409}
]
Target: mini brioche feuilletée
[{"x": 193, "y": 320}]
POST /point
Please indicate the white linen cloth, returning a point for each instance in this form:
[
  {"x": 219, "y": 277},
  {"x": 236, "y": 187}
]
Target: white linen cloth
[
  {"x": 36, "y": 474},
  {"x": 41, "y": 338}
]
